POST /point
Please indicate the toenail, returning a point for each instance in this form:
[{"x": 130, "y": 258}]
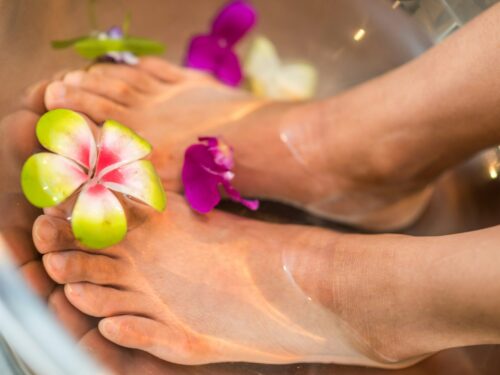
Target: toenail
[
  {"x": 57, "y": 90},
  {"x": 46, "y": 231},
  {"x": 108, "y": 327},
  {"x": 73, "y": 78},
  {"x": 56, "y": 261},
  {"x": 74, "y": 289}
]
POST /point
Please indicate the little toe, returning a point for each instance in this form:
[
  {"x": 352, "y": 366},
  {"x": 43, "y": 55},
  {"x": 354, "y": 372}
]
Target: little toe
[
  {"x": 98, "y": 108},
  {"x": 103, "y": 301},
  {"x": 172, "y": 344},
  {"x": 73, "y": 320},
  {"x": 36, "y": 277},
  {"x": 111, "y": 88},
  {"x": 33, "y": 98},
  {"x": 136, "y": 78},
  {"x": 77, "y": 266},
  {"x": 53, "y": 234}
]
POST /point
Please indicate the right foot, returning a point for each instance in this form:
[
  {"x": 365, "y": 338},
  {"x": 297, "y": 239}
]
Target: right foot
[
  {"x": 283, "y": 151},
  {"x": 241, "y": 290}
]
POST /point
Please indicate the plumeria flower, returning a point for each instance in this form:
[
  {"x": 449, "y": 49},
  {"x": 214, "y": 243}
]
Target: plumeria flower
[
  {"x": 214, "y": 52},
  {"x": 79, "y": 165},
  {"x": 113, "y": 45},
  {"x": 207, "y": 167},
  {"x": 270, "y": 78}
]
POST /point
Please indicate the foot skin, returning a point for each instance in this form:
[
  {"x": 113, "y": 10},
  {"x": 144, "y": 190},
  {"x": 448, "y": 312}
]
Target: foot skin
[
  {"x": 17, "y": 138},
  {"x": 167, "y": 105},
  {"x": 192, "y": 290},
  {"x": 172, "y": 106}
]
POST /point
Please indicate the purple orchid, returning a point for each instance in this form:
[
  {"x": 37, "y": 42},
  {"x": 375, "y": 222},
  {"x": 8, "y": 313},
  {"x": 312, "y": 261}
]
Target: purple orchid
[
  {"x": 208, "y": 165},
  {"x": 214, "y": 52}
]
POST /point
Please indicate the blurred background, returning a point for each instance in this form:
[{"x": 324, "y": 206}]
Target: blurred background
[{"x": 349, "y": 41}]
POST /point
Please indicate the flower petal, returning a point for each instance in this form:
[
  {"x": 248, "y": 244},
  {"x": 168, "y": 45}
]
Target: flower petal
[
  {"x": 204, "y": 53},
  {"x": 119, "y": 145},
  {"x": 229, "y": 69},
  {"x": 139, "y": 180},
  {"x": 296, "y": 81},
  {"x": 200, "y": 186},
  {"x": 252, "y": 204},
  {"x": 67, "y": 133},
  {"x": 48, "y": 179},
  {"x": 234, "y": 21},
  {"x": 98, "y": 218}
]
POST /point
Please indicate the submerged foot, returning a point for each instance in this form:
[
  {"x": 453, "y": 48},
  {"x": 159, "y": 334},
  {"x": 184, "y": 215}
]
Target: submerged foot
[
  {"x": 283, "y": 151},
  {"x": 192, "y": 290}
]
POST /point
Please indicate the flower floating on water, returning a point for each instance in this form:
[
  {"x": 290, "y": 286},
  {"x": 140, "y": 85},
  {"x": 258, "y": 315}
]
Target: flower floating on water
[
  {"x": 214, "y": 52},
  {"x": 270, "y": 78},
  {"x": 113, "y": 46},
  {"x": 98, "y": 219},
  {"x": 207, "y": 167}
]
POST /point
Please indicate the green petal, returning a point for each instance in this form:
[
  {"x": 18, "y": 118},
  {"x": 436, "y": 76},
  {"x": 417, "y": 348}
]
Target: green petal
[
  {"x": 67, "y": 133},
  {"x": 119, "y": 145},
  {"x": 48, "y": 179},
  {"x": 262, "y": 60},
  {"x": 138, "y": 180},
  {"x": 60, "y": 44},
  {"x": 98, "y": 218},
  {"x": 91, "y": 48},
  {"x": 297, "y": 81}
]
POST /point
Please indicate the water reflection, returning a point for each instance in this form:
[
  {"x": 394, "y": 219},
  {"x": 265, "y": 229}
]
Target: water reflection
[{"x": 322, "y": 31}]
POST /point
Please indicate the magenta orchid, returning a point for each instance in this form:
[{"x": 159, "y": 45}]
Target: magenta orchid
[
  {"x": 91, "y": 170},
  {"x": 214, "y": 52},
  {"x": 207, "y": 167}
]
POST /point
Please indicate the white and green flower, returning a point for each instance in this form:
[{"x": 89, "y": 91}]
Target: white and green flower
[{"x": 77, "y": 165}]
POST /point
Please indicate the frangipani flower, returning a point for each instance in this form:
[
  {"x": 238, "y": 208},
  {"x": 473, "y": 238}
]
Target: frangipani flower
[
  {"x": 214, "y": 52},
  {"x": 98, "y": 219},
  {"x": 270, "y": 78},
  {"x": 113, "y": 45},
  {"x": 207, "y": 167}
]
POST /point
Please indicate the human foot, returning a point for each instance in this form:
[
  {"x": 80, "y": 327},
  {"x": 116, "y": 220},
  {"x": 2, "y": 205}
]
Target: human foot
[
  {"x": 167, "y": 105},
  {"x": 173, "y": 106},
  {"x": 199, "y": 289}
]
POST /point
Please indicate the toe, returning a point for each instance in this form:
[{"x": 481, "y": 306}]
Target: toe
[
  {"x": 111, "y": 88},
  {"x": 37, "y": 278},
  {"x": 75, "y": 322},
  {"x": 98, "y": 108},
  {"x": 162, "y": 69},
  {"x": 136, "y": 78},
  {"x": 103, "y": 301},
  {"x": 53, "y": 234},
  {"x": 170, "y": 343},
  {"x": 77, "y": 266}
]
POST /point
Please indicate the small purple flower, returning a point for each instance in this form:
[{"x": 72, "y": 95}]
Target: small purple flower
[
  {"x": 207, "y": 166},
  {"x": 125, "y": 57},
  {"x": 214, "y": 52}
]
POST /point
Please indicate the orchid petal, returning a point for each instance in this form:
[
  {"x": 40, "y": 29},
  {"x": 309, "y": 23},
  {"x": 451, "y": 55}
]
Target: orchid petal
[
  {"x": 98, "y": 219},
  {"x": 204, "y": 53},
  {"x": 234, "y": 21},
  {"x": 229, "y": 69},
  {"x": 200, "y": 185},
  {"x": 252, "y": 204},
  {"x": 138, "y": 180},
  {"x": 269, "y": 78},
  {"x": 67, "y": 133},
  {"x": 297, "y": 81},
  {"x": 119, "y": 145},
  {"x": 48, "y": 179}
]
